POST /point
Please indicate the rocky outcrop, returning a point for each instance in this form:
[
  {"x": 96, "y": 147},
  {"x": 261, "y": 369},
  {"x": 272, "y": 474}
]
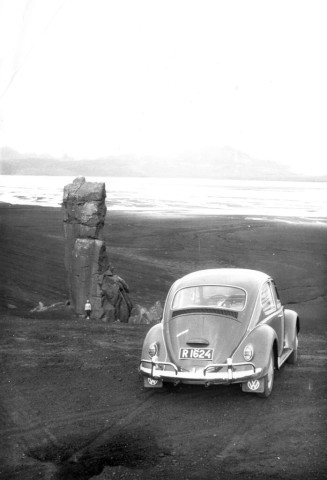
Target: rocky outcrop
[
  {"x": 89, "y": 273},
  {"x": 116, "y": 303},
  {"x": 141, "y": 315}
]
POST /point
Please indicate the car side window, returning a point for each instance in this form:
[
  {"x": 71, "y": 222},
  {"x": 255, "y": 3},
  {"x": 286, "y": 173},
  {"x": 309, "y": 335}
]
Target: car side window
[
  {"x": 275, "y": 294},
  {"x": 267, "y": 299}
]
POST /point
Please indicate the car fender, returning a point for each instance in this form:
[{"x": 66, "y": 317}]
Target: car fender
[
  {"x": 155, "y": 334},
  {"x": 291, "y": 327},
  {"x": 263, "y": 338}
]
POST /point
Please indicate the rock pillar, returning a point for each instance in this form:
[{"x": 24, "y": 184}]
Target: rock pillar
[{"x": 89, "y": 273}]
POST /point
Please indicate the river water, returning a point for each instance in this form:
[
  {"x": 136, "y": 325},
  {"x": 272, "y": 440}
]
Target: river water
[{"x": 305, "y": 201}]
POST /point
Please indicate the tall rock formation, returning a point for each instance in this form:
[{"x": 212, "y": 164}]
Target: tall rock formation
[{"x": 89, "y": 273}]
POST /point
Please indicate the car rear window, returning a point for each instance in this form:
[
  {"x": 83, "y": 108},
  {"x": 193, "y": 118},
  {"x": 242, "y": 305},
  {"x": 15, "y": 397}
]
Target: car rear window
[{"x": 223, "y": 296}]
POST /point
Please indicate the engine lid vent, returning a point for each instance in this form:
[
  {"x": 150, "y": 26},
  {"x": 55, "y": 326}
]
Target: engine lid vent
[{"x": 208, "y": 311}]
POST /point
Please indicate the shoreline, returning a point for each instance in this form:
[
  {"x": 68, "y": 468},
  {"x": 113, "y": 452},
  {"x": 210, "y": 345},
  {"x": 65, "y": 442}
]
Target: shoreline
[{"x": 291, "y": 219}]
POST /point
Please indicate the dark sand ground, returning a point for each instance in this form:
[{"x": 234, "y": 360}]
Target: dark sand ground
[{"x": 72, "y": 405}]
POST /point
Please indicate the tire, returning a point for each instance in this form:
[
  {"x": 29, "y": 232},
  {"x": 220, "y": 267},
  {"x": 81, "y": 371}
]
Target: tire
[
  {"x": 269, "y": 378},
  {"x": 292, "y": 359}
]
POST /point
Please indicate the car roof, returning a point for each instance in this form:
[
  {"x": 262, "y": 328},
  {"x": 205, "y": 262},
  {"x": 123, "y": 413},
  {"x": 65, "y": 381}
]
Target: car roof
[{"x": 240, "y": 277}]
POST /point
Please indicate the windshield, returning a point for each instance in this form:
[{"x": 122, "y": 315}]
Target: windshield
[{"x": 222, "y": 296}]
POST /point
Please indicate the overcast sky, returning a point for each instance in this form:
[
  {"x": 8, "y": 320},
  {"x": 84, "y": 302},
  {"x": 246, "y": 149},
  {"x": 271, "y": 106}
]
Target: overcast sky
[{"x": 88, "y": 78}]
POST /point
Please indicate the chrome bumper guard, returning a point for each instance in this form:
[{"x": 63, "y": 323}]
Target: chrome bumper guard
[{"x": 229, "y": 376}]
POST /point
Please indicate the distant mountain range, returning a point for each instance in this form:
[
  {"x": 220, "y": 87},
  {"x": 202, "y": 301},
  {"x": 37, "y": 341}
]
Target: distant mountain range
[{"x": 224, "y": 163}]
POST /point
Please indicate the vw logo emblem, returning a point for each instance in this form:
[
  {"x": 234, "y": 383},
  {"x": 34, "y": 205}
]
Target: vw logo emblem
[
  {"x": 152, "y": 381},
  {"x": 253, "y": 384}
]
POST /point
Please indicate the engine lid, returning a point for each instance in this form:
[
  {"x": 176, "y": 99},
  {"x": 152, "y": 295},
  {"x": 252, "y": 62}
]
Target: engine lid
[{"x": 214, "y": 337}]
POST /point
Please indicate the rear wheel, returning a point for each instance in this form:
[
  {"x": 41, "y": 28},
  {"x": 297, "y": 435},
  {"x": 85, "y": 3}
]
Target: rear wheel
[
  {"x": 292, "y": 359},
  {"x": 269, "y": 378}
]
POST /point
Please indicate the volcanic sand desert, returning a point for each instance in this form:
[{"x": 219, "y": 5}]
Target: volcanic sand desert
[{"x": 72, "y": 403}]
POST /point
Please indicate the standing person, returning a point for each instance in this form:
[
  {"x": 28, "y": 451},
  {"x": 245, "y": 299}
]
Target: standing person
[{"x": 88, "y": 309}]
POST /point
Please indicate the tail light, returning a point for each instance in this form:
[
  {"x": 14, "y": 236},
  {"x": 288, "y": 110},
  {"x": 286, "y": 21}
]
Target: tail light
[
  {"x": 153, "y": 350},
  {"x": 248, "y": 353}
]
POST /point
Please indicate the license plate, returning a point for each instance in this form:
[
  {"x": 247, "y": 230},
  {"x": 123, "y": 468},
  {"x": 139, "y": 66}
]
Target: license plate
[{"x": 196, "y": 353}]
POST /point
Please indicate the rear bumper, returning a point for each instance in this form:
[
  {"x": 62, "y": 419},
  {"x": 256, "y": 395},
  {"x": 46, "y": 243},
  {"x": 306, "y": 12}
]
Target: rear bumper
[{"x": 223, "y": 373}]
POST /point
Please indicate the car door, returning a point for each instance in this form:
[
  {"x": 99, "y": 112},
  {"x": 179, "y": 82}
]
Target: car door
[{"x": 273, "y": 312}]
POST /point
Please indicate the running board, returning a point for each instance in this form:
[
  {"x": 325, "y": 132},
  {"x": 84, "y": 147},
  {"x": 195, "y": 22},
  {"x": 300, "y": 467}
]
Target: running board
[{"x": 284, "y": 356}]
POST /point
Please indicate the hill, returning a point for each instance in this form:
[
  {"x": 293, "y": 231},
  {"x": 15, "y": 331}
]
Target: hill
[{"x": 224, "y": 163}]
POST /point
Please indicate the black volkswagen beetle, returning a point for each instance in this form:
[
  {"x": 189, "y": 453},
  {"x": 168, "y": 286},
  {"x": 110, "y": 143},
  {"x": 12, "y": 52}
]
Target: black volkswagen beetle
[{"x": 221, "y": 326}]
